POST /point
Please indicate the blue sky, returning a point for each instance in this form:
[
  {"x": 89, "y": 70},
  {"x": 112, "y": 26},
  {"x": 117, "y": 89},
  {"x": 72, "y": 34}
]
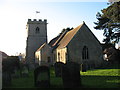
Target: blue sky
[{"x": 59, "y": 15}]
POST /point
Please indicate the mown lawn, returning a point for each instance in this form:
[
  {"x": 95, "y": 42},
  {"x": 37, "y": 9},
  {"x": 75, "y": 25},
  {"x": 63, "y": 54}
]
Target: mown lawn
[
  {"x": 24, "y": 82},
  {"x": 98, "y": 78},
  {"x": 101, "y": 78},
  {"x": 28, "y": 82}
]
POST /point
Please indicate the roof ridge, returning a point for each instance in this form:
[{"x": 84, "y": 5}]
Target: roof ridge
[
  {"x": 68, "y": 36},
  {"x": 60, "y": 38}
]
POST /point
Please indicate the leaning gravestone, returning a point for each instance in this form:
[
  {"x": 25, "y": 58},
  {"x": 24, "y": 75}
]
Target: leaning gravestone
[
  {"x": 42, "y": 77},
  {"x": 58, "y": 69},
  {"x": 71, "y": 75}
]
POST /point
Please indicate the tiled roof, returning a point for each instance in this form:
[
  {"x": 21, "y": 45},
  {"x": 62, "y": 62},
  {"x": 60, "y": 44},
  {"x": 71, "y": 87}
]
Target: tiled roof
[
  {"x": 60, "y": 38},
  {"x": 41, "y": 47},
  {"x": 51, "y": 43},
  {"x": 68, "y": 36},
  {"x": 57, "y": 39},
  {"x": 4, "y": 55},
  {"x": 64, "y": 39}
]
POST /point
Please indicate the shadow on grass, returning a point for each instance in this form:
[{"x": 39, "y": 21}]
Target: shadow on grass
[
  {"x": 100, "y": 81},
  {"x": 109, "y": 65},
  {"x": 88, "y": 81}
]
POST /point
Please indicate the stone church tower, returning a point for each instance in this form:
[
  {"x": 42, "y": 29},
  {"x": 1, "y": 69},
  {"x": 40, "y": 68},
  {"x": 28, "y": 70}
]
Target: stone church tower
[{"x": 36, "y": 36}]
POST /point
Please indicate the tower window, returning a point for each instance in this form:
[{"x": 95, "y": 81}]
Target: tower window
[
  {"x": 85, "y": 54},
  {"x": 37, "y": 30}
]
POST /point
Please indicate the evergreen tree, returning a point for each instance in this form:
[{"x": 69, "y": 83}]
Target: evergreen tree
[{"x": 109, "y": 21}]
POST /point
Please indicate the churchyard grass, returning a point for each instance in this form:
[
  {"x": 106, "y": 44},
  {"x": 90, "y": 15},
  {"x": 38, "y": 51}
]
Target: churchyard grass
[
  {"x": 97, "y": 78},
  {"x": 102, "y": 72},
  {"x": 55, "y": 81},
  {"x": 101, "y": 78},
  {"x": 28, "y": 82},
  {"x": 23, "y": 82}
]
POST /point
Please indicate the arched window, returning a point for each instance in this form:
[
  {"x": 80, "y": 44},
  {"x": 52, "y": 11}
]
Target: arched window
[
  {"x": 37, "y": 30},
  {"x": 85, "y": 54}
]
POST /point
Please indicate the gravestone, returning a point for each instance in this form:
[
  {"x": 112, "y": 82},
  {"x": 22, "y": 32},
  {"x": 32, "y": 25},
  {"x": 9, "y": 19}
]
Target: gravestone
[
  {"x": 71, "y": 75},
  {"x": 42, "y": 77},
  {"x": 15, "y": 73},
  {"x": 24, "y": 71},
  {"x": 83, "y": 67},
  {"x": 6, "y": 79},
  {"x": 58, "y": 69}
]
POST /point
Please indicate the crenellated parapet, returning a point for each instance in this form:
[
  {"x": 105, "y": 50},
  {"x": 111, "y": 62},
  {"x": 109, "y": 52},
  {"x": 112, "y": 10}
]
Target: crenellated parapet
[{"x": 30, "y": 21}]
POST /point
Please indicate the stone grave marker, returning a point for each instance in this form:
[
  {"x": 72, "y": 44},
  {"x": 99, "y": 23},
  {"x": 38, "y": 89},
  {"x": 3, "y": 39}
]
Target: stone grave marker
[
  {"x": 42, "y": 77},
  {"x": 58, "y": 69},
  {"x": 15, "y": 73},
  {"x": 24, "y": 71},
  {"x": 83, "y": 67},
  {"x": 71, "y": 75},
  {"x": 6, "y": 79}
]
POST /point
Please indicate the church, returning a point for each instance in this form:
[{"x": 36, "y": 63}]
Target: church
[{"x": 77, "y": 45}]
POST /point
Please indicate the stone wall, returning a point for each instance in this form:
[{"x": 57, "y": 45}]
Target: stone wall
[
  {"x": 84, "y": 37},
  {"x": 35, "y": 39},
  {"x": 61, "y": 55}
]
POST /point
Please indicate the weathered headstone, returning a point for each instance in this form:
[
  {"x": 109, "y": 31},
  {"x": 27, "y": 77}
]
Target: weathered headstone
[
  {"x": 83, "y": 67},
  {"x": 71, "y": 75},
  {"x": 42, "y": 77},
  {"x": 15, "y": 73},
  {"x": 24, "y": 71},
  {"x": 58, "y": 69},
  {"x": 6, "y": 79}
]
